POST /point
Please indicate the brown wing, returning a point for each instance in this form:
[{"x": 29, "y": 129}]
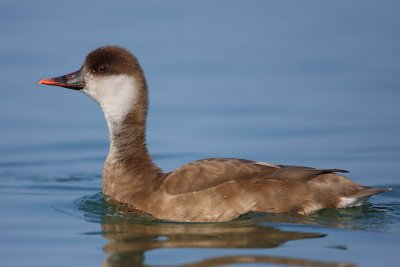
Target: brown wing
[{"x": 207, "y": 173}]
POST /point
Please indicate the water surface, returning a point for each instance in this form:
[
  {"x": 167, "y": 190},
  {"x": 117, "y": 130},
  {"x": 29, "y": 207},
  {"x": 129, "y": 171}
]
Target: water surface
[{"x": 307, "y": 83}]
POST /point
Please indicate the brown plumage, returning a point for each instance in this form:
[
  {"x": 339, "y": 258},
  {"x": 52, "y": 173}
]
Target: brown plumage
[{"x": 209, "y": 190}]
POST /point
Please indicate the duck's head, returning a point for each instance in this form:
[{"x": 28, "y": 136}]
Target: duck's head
[{"x": 112, "y": 76}]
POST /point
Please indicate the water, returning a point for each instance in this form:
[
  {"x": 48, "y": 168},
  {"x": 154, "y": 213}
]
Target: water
[{"x": 307, "y": 83}]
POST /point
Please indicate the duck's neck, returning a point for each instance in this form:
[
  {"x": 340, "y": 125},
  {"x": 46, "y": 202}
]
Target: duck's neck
[
  {"x": 129, "y": 166},
  {"x": 128, "y": 148}
]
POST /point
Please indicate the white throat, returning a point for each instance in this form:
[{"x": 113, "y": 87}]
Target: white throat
[{"x": 116, "y": 95}]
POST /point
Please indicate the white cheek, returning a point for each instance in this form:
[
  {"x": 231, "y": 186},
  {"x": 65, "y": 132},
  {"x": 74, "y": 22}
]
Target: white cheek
[{"x": 116, "y": 94}]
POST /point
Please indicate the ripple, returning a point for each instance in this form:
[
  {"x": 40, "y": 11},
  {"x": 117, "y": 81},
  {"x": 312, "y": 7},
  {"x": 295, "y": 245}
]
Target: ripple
[
  {"x": 383, "y": 217},
  {"x": 20, "y": 163},
  {"x": 379, "y": 217},
  {"x": 95, "y": 208},
  {"x": 59, "y": 146}
]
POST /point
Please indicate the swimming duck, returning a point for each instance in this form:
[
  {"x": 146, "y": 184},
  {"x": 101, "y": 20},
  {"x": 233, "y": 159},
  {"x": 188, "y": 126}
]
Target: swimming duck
[{"x": 208, "y": 190}]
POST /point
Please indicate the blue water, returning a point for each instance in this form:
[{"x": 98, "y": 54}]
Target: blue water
[{"x": 310, "y": 83}]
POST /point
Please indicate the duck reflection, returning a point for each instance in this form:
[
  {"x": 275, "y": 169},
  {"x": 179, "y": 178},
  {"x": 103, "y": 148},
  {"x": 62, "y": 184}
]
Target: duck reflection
[
  {"x": 136, "y": 237},
  {"x": 129, "y": 236},
  {"x": 127, "y": 242}
]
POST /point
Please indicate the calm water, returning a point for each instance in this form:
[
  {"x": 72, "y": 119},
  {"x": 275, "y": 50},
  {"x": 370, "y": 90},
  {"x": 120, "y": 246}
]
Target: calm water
[{"x": 305, "y": 83}]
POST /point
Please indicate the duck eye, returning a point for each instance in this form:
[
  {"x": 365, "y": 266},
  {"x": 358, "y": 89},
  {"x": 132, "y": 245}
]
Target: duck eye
[{"x": 102, "y": 68}]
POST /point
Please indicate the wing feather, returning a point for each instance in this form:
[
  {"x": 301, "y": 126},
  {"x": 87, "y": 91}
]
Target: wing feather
[{"x": 203, "y": 174}]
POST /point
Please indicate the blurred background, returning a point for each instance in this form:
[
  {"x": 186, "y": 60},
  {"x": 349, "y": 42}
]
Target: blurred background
[
  {"x": 267, "y": 79},
  {"x": 292, "y": 82}
]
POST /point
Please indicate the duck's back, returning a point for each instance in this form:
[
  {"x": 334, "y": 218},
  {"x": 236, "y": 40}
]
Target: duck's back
[{"x": 223, "y": 189}]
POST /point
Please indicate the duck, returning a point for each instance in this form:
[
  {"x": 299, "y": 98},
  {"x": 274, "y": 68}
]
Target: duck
[{"x": 207, "y": 190}]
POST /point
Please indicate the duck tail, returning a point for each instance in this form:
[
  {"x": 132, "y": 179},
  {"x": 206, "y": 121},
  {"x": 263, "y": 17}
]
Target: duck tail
[
  {"x": 360, "y": 197},
  {"x": 369, "y": 191}
]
